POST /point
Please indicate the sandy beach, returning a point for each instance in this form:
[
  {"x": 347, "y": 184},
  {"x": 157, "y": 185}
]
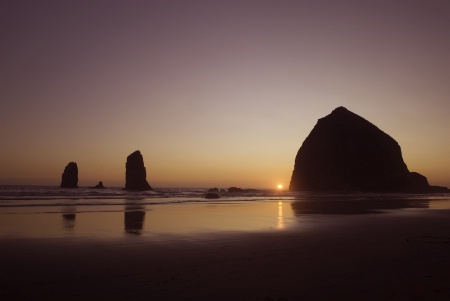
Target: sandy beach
[{"x": 398, "y": 255}]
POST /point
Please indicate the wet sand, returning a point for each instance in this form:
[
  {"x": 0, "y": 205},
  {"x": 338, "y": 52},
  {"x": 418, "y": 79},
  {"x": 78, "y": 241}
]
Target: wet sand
[{"x": 402, "y": 255}]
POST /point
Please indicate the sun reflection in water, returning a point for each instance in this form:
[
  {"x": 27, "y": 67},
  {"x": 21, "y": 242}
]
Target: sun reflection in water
[{"x": 280, "y": 222}]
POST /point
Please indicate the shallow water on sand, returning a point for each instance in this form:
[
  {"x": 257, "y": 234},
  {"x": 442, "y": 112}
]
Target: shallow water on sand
[
  {"x": 154, "y": 221},
  {"x": 53, "y": 212}
]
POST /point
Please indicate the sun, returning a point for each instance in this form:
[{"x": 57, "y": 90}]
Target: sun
[{"x": 280, "y": 186}]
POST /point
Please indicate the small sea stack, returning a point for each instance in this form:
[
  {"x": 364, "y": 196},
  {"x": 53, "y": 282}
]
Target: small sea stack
[
  {"x": 345, "y": 152},
  {"x": 98, "y": 186},
  {"x": 136, "y": 175},
  {"x": 69, "y": 178}
]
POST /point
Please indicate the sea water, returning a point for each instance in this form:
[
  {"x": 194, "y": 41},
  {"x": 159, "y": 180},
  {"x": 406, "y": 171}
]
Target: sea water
[{"x": 45, "y": 211}]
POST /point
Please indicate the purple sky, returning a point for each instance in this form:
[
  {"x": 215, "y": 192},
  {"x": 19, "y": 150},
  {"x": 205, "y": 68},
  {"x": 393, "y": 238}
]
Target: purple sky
[{"x": 215, "y": 93}]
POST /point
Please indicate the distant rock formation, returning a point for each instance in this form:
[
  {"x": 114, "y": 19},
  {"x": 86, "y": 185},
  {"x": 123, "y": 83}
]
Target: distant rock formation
[
  {"x": 69, "y": 178},
  {"x": 239, "y": 190},
  {"x": 212, "y": 195},
  {"x": 345, "y": 152},
  {"x": 235, "y": 189},
  {"x": 98, "y": 186},
  {"x": 136, "y": 176}
]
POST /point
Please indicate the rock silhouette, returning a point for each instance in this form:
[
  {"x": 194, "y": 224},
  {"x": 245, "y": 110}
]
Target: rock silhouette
[
  {"x": 69, "y": 178},
  {"x": 98, "y": 186},
  {"x": 212, "y": 195},
  {"x": 235, "y": 189},
  {"x": 136, "y": 176},
  {"x": 345, "y": 152}
]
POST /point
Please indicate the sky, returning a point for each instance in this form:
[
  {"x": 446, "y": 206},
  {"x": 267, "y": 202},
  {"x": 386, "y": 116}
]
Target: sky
[{"x": 214, "y": 93}]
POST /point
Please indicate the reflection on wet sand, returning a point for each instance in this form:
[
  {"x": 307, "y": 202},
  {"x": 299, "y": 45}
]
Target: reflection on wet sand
[
  {"x": 134, "y": 219},
  {"x": 336, "y": 205},
  {"x": 280, "y": 221},
  {"x": 199, "y": 218},
  {"x": 69, "y": 217}
]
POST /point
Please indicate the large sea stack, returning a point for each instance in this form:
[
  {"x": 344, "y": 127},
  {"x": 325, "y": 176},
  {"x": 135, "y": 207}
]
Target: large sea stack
[
  {"x": 136, "y": 176},
  {"x": 69, "y": 178},
  {"x": 345, "y": 152}
]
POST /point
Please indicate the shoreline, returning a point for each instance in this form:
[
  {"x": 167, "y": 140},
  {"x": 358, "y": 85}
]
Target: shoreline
[{"x": 392, "y": 256}]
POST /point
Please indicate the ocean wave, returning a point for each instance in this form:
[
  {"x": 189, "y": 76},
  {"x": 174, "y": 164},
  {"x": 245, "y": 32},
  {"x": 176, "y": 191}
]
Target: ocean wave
[
  {"x": 47, "y": 196},
  {"x": 32, "y": 196}
]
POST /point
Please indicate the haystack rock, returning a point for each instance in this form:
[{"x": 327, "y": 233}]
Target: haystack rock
[
  {"x": 136, "y": 176},
  {"x": 69, "y": 178},
  {"x": 345, "y": 152}
]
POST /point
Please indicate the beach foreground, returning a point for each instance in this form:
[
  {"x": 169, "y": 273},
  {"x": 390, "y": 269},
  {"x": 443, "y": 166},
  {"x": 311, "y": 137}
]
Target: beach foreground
[{"x": 401, "y": 255}]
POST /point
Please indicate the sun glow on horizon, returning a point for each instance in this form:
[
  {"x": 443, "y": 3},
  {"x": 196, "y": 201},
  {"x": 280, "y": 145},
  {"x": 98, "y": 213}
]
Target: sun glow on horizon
[{"x": 254, "y": 98}]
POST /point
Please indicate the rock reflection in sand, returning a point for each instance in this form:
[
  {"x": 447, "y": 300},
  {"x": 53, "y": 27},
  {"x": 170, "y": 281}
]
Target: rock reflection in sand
[
  {"x": 69, "y": 216},
  {"x": 348, "y": 205},
  {"x": 69, "y": 220},
  {"x": 134, "y": 219},
  {"x": 203, "y": 218}
]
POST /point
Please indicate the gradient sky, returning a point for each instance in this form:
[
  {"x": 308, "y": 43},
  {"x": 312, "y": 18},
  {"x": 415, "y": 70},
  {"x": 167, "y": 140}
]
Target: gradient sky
[{"x": 215, "y": 93}]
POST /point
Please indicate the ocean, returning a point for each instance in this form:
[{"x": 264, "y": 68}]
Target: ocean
[
  {"x": 46, "y": 211},
  {"x": 50, "y": 196}
]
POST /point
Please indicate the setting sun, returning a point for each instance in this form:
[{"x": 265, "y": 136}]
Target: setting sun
[{"x": 280, "y": 186}]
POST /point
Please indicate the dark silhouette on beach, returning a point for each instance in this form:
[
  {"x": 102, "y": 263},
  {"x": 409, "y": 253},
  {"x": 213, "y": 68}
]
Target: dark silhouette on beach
[
  {"x": 135, "y": 174},
  {"x": 212, "y": 195},
  {"x": 69, "y": 178},
  {"x": 98, "y": 186},
  {"x": 345, "y": 152}
]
